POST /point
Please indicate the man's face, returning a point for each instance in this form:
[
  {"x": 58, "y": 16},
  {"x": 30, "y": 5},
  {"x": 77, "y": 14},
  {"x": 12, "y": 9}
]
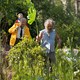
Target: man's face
[
  {"x": 23, "y": 23},
  {"x": 49, "y": 27}
]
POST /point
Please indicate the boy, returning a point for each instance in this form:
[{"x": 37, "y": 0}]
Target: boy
[
  {"x": 19, "y": 30},
  {"x": 20, "y": 15},
  {"x": 47, "y": 37}
]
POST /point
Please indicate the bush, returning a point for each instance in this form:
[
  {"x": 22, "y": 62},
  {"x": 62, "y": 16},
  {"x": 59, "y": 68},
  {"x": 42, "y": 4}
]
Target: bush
[{"x": 27, "y": 62}]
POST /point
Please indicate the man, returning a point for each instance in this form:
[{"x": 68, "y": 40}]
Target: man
[
  {"x": 47, "y": 37},
  {"x": 19, "y": 30}
]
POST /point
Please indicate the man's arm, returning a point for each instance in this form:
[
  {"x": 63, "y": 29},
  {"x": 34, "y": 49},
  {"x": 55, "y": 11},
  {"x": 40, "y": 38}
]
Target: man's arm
[
  {"x": 58, "y": 40},
  {"x": 13, "y": 28},
  {"x": 27, "y": 33},
  {"x": 39, "y": 37}
]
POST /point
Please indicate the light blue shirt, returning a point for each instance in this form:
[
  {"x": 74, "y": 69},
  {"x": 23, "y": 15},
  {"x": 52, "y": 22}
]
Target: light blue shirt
[{"x": 48, "y": 40}]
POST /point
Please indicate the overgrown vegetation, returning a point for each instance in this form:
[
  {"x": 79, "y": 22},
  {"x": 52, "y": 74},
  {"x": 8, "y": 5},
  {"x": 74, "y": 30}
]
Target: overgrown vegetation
[
  {"x": 67, "y": 23},
  {"x": 27, "y": 62}
]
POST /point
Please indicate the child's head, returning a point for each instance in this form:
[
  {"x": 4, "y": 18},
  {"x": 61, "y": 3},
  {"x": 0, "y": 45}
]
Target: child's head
[
  {"x": 20, "y": 15},
  {"x": 49, "y": 24},
  {"x": 23, "y": 21}
]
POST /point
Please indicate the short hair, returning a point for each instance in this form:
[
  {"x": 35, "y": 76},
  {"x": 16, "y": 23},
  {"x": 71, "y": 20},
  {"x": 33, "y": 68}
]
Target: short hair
[
  {"x": 23, "y": 19},
  {"x": 20, "y": 14},
  {"x": 50, "y": 20}
]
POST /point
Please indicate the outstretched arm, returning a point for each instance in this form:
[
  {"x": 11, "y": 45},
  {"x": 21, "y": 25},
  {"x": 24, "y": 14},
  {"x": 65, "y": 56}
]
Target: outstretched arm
[
  {"x": 58, "y": 40},
  {"x": 39, "y": 37}
]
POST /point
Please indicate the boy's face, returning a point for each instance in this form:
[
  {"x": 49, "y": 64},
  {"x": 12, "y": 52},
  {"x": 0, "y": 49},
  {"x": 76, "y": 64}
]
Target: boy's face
[
  {"x": 49, "y": 27},
  {"x": 20, "y": 16}
]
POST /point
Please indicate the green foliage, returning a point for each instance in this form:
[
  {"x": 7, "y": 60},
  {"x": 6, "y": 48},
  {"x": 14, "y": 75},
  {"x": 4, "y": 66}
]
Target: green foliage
[
  {"x": 31, "y": 12},
  {"x": 67, "y": 24},
  {"x": 77, "y": 67},
  {"x": 26, "y": 58},
  {"x": 65, "y": 65},
  {"x": 38, "y": 11},
  {"x": 1, "y": 16},
  {"x": 2, "y": 63},
  {"x": 70, "y": 32},
  {"x": 10, "y": 8},
  {"x": 68, "y": 63},
  {"x": 27, "y": 62}
]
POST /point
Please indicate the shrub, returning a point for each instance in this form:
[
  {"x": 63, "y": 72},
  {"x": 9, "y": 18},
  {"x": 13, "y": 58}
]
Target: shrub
[{"x": 27, "y": 62}]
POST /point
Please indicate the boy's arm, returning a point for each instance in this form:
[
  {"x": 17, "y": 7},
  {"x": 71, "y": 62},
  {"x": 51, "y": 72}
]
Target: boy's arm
[{"x": 58, "y": 40}]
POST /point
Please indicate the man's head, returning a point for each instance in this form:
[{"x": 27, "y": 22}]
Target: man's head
[
  {"x": 23, "y": 21},
  {"x": 20, "y": 15},
  {"x": 49, "y": 24}
]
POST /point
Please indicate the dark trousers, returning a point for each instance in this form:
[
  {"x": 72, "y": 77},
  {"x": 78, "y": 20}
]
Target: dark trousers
[
  {"x": 17, "y": 40},
  {"x": 50, "y": 57},
  {"x": 49, "y": 60}
]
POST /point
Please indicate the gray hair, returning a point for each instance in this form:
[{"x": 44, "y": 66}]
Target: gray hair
[
  {"x": 23, "y": 19},
  {"x": 51, "y": 21}
]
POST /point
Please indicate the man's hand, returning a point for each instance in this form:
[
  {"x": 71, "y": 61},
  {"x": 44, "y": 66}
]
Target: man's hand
[
  {"x": 58, "y": 40},
  {"x": 39, "y": 37}
]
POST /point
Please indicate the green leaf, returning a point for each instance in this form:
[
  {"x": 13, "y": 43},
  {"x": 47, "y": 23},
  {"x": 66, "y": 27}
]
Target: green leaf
[
  {"x": 31, "y": 15},
  {"x": 31, "y": 12}
]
